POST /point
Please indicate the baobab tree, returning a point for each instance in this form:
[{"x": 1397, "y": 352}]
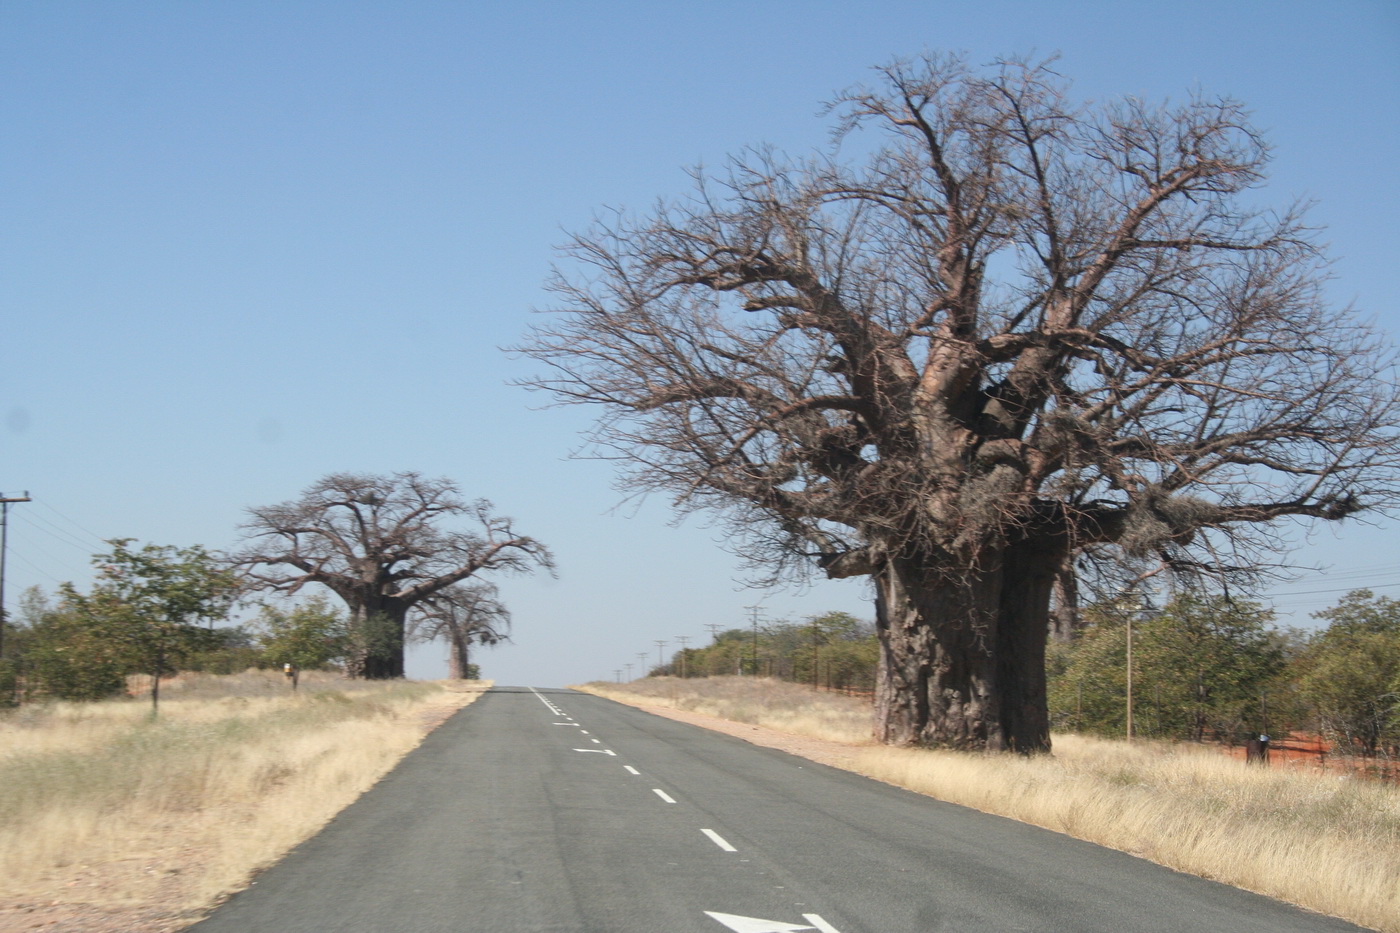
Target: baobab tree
[
  {"x": 462, "y": 615},
  {"x": 382, "y": 544},
  {"x": 1018, "y": 328}
]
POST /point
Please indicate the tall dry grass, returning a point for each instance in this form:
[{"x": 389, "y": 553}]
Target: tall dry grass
[
  {"x": 1326, "y": 842},
  {"x": 104, "y": 803},
  {"x": 759, "y": 701}
]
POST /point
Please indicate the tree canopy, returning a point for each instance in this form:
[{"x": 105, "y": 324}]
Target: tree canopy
[{"x": 1007, "y": 328}]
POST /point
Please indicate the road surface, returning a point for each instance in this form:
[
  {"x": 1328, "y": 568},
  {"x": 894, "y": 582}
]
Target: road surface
[{"x": 551, "y": 811}]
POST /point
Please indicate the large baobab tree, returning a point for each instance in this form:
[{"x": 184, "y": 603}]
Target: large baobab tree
[
  {"x": 1013, "y": 328},
  {"x": 384, "y": 545}
]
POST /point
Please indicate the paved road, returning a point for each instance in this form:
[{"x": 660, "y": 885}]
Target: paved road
[{"x": 549, "y": 811}]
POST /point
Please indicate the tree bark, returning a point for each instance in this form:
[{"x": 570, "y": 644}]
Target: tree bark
[
  {"x": 1028, "y": 573},
  {"x": 459, "y": 657},
  {"x": 377, "y": 640},
  {"x": 962, "y": 657}
]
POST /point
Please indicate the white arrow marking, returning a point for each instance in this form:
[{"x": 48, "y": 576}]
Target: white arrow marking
[
  {"x": 568, "y": 724},
  {"x": 598, "y": 751},
  {"x": 817, "y": 921},
  {"x": 755, "y": 925}
]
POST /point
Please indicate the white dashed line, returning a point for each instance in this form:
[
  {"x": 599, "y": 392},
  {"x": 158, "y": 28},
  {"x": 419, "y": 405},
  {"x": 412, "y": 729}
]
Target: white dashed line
[
  {"x": 662, "y": 794},
  {"x": 718, "y": 840}
]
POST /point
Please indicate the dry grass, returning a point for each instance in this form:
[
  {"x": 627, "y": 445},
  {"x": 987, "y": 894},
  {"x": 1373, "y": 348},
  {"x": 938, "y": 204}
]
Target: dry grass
[
  {"x": 1326, "y": 842},
  {"x": 760, "y": 701},
  {"x": 103, "y": 804}
]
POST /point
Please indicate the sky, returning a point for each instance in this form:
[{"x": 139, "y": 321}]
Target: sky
[{"x": 244, "y": 245}]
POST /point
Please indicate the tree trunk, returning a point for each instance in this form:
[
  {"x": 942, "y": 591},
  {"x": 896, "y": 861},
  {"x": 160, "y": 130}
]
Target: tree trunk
[
  {"x": 962, "y": 657},
  {"x": 1065, "y": 621},
  {"x": 377, "y": 641},
  {"x": 1029, "y": 571},
  {"x": 459, "y": 656}
]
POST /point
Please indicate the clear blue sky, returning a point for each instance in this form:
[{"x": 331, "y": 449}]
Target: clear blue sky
[{"x": 246, "y": 244}]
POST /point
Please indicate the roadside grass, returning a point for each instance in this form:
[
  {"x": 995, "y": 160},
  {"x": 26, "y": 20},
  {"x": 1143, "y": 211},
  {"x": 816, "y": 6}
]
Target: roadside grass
[
  {"x": 759, "y": 701},
  {"x": 104, "y": 803},
  {"x": 1327, "y": 842}
]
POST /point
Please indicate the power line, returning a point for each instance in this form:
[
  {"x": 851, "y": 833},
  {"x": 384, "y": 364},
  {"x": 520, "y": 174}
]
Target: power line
[
  {"x": 55, "y": 532},
  {"x": 1340, "y": 589},
  {"x": 96, "y": 537}
]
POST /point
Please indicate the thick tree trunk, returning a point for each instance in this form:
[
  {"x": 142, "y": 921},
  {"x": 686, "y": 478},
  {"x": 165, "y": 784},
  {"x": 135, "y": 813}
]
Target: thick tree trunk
[
  {"x": 962, "y": 657},
  {"x": 377, "y": 641},
  {"x": 1028, "y": 573}
]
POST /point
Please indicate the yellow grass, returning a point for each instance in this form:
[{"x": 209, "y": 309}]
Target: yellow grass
[
  {"x": 1326, "y": 842},
  {"x": 103, "y": 804},
  {"x": 760, "y": 701}
]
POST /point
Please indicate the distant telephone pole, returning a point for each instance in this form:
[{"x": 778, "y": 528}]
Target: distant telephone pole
[
  {"x": 4, "y": 545},
  {"x": 753, "y": 614},
  {"x": 682, "y": 639}
]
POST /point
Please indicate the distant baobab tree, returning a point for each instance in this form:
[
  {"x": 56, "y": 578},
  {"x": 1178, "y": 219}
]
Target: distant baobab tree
[{"x": 384, "y": 545}]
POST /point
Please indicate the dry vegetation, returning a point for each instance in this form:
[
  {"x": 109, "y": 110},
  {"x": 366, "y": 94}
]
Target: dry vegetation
[
  {"x": 113, "y": 819},
  {"x": 1327, "y": 842}
]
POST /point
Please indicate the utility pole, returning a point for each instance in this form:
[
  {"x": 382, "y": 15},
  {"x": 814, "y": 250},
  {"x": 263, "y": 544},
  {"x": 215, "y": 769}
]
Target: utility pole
[
  {"x": 682, "y": 639},
  {"x": 1130, "y": 677},
  {"x": 753, "y": 616},
  {"x": 660, "y": 643},
  {"x": 642, "y": 656},
  {"x": 628, "y": 665},
  {"x": 4, "y": 544}
]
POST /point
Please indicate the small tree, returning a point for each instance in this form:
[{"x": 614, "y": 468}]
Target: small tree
[
  {"x": 381, "y": 544},
  {"x": 72, "y": 656},
  {"x": 310, "y": 635},
  {"x": 1350, "y": 675},
  {"x": 156, "y": 604}
]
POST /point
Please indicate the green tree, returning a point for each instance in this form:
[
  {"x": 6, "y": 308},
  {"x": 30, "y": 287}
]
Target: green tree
[
  {"x": 157, "y": 605},
  {"x": 310, "y": 635},
  {"x": 1350, "y": 675},
  {"x": 1203, "y": 666},
  {"x": 74, "y": 656}
]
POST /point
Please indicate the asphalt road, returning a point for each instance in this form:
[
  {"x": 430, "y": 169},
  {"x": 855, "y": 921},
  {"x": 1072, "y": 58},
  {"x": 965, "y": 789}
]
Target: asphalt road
[{"x": 550, "y": 811}]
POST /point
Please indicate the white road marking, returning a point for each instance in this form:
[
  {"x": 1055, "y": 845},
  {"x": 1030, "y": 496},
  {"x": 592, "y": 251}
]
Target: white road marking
[
  {"x": 595, "y": 741},
  {"x": 584, "y": 732},
  {"x": 632, "y": 769},
  {"x": 817, "y": 921},
  {"x": 755, "y": 925},
  {"x": 554, "y": 709},
  {"x": 568, "y": 724},
  {"x": 598, "y": 751},
  {"x": 662, "y": 794},
  {"x": 718, "y": 840}
]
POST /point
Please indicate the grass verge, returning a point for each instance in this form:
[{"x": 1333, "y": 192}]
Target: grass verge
[
  {"x": 106, "y": 805},
  {"x": 1327, "y": 842}
]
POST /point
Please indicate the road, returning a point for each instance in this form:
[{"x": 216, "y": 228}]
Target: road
[{"x": 551, "y": 811}]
